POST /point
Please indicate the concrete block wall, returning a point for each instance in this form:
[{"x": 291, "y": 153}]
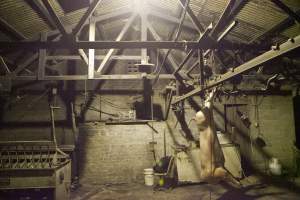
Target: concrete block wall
[{"x": 275, "y": 124}]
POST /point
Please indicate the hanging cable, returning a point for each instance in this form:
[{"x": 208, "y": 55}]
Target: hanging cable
[{"x": 178, "y": 32}]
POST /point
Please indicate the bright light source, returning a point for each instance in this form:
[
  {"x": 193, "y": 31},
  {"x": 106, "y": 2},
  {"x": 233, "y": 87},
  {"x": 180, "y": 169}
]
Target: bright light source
[{"x": 140, "y": 6}]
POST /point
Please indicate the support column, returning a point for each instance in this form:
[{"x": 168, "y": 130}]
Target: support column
[
  {"x": 144, "y": 32},
  {"x": 92, "y": 31}
]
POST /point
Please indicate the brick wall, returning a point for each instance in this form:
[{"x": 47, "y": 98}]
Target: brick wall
[
  {"x": 117, "y": 153},
  {"x": 120, "y": 153}
]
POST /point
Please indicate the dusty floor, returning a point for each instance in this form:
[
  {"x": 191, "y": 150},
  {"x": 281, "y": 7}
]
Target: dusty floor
[{"x": 252, "y": 189}]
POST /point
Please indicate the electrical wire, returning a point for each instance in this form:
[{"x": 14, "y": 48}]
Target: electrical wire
[
  {"x": 114, "y": 105},
  {"x": 178, "y": 32}
]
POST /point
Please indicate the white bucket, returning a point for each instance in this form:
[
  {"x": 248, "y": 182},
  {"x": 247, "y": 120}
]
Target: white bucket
[
  {"x": 149, "y": 176},
  {"x": 275, "y": 167}
]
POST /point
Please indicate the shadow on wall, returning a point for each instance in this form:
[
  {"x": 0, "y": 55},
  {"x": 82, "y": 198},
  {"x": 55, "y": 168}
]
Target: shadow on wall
[
  {"x": 181, "y": 119},
  {"x": 245, "y": 139},
  {"x": 3, "y": 102},
  {"x": 184, "y": 126},
  {"x": 247, "y": 165},
  {"x": 246, "y": 162},
  {"x": 81, "y": 156}
]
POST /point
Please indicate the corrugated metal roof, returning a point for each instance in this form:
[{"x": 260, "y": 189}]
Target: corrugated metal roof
[
  {"x": 255, "y": 19},
  {"x": 292, "y": 31},
  {"x": 168, "y": 6},
  {"x": 22, "y": 17}
]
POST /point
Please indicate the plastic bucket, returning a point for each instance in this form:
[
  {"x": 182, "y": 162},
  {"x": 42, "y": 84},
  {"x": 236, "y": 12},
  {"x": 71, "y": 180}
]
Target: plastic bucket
[
  {"x": 149, "y": 177},
  {"x": 275, "y": 167}
]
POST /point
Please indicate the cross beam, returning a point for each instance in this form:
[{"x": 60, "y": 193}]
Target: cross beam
[
  {"x": 97, "y": 57},
  {"x": 6, "y": 27},
  {"x": 55, "y": 17},
  {"x": 39, "y": 7},
  {"x": 117, "y": 14},
  {"x": 193, "y": 17},
  {"x": 123, "y": 32},
  {"x": 231, "y": 10},
  {"x": 86, "y": 16},
  {"x": 85, "y": 77},
  {"x": 183, "y": 45}
]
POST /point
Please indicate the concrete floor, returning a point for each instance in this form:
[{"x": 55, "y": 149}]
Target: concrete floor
[{"x": 252, "y": 189}]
